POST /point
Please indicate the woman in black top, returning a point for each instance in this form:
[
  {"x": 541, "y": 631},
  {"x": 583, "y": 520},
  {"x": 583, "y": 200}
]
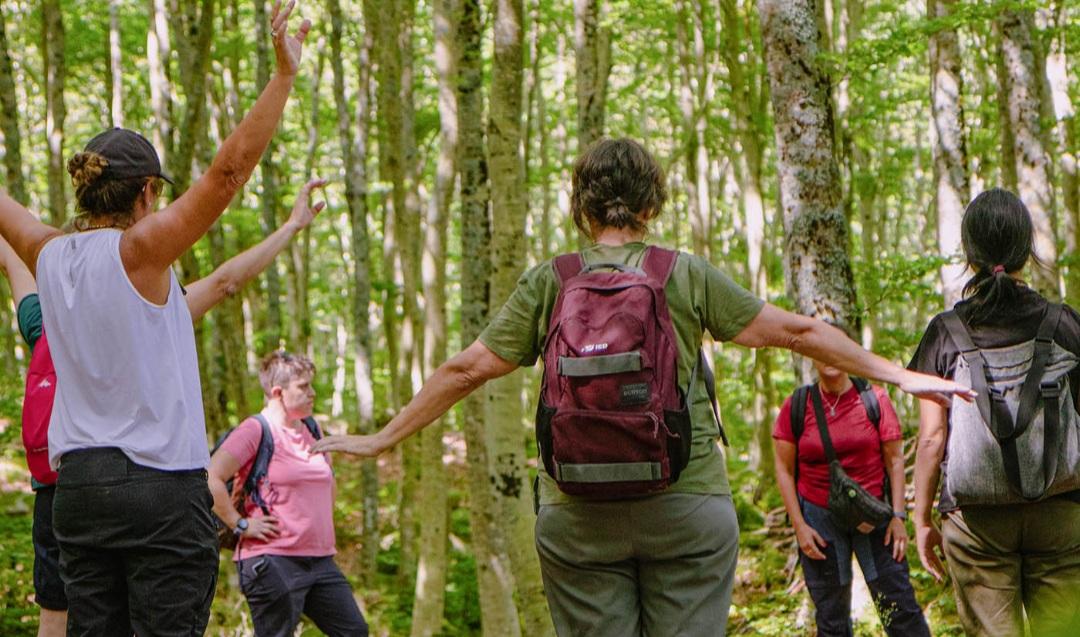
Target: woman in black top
[{"x": 1005, "y": 559}]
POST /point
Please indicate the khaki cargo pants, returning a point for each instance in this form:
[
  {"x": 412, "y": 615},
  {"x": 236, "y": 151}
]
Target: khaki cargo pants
[
  {"x": 1005, "y": 560},
  {"x": 656, "y": 567}
]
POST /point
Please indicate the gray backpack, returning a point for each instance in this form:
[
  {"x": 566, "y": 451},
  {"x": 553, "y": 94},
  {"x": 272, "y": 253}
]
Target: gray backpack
[{"x": 1020, "y": 440}]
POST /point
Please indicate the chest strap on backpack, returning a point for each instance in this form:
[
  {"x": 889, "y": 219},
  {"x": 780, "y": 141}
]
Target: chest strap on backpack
[{"x": 994, "y": 410}]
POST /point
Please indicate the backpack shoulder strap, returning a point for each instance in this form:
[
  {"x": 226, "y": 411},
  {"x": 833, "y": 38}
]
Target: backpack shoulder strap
[
  {"x": 313, "y": 427},
  {"x": 261, "y": 464},
  {"x": 567, "y": 266},
  {"x": 822, "y": 424},
  {"x": 659, "y": 263},
  {"x": 710, "y": 388},
  {"x": 869, "y": 401},
  {"x": 962, "y": 338}
]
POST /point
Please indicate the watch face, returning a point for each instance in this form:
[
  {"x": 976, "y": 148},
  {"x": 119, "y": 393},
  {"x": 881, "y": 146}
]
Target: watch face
[{"x": 242, "y": 524}]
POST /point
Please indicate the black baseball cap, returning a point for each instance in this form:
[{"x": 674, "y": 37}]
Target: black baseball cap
[{"x": 129, "y": 155}]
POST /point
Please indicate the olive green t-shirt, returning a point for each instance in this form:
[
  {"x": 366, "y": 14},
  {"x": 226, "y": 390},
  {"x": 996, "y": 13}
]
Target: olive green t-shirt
[{"x": 699, "y": 298}]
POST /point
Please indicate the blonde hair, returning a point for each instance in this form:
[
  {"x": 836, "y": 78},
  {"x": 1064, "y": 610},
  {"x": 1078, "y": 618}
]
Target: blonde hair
[{"x": 279, "y": 368}]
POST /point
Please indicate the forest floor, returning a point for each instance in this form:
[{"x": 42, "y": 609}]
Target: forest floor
[{"x": 769, "y": 596}]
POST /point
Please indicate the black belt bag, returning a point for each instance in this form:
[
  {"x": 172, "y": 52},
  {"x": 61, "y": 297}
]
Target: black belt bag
[{"x": 849, "y": 504}]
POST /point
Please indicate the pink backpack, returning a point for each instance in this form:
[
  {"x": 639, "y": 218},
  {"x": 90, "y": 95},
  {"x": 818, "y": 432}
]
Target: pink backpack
[
  {"x": 37, "y": 410},
  {"x": 612, "y": 421}
]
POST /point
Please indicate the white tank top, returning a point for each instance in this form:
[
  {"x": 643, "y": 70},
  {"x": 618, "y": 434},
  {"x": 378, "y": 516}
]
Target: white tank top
[{"x": 127, "y": 371}]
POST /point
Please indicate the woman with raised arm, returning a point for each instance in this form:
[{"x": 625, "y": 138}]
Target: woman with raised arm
[
  {"x": 138, "y": 550},
  {"x": 636, "y": 530}
]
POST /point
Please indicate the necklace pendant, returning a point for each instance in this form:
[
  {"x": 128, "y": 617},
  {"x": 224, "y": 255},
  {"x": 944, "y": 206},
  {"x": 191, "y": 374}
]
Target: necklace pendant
[{"x": 832, "y": 411}]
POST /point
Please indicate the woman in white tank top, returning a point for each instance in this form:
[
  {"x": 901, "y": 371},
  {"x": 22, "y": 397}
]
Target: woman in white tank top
[{"x": 132, "y": 507}]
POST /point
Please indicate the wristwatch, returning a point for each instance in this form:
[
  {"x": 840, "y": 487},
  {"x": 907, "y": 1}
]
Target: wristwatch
[
  {"x": 241, "y": 526},
  {"x": 896, "y": 514}
]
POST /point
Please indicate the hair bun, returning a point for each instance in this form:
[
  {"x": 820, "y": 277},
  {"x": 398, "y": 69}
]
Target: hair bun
[{"x": 85, "y": 168}]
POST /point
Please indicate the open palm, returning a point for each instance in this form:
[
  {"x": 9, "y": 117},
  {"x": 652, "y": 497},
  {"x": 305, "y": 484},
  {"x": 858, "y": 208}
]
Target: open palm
[{"x": 288, "y": 49}]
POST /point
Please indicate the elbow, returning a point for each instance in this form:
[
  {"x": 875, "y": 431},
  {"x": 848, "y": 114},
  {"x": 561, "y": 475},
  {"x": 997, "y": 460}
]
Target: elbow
[{"x": 230, "y": 173}]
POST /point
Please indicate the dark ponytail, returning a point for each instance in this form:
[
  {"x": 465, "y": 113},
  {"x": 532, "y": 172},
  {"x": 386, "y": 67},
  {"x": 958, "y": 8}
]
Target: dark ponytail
[{"x": 998, "y": 239}]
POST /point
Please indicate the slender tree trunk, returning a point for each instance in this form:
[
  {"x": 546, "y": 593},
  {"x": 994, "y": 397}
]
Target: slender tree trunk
[
  {"x": 52, "y": 50},
  {"x": 1065, "y": 138},
  {"x": 116, "y": 75},
  {"x": 354, "y": 151},
  {"x": 592, "y": 54},
  {"x": 746, "y": 91},
  {"x": 817, "y": 266},
  {"x": 9, "y": 122},
  {"x": 496, "y": 582},
  {"x": 950, "y": 152},
  {"x": 431, "y": 567},
  {"x": 269, "y": 197},
  {"x": 194, "y": 34},
  {"x": 157, "y": 55},
  {"x": 1033, "y": 168},
  {"x": 508, "y": 251}
]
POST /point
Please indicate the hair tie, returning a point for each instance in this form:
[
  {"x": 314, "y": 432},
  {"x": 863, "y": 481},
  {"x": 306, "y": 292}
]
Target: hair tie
[{"x": 997, "y": 269}]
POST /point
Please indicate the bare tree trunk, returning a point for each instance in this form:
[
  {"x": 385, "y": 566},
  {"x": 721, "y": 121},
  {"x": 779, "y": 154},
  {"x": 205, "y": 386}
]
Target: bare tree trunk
[
  {"x": 157, "y": 55},
  {"x": 9, "y": 122},
  {"x": 496, "y": 582},
  {"x": 817, "y": 266},
  {"x": 116, "y": 75},
  {"x": 950, "y": 151},
  {"x": 52, "y": 50},
  {"x": 1065, "y": 138},
  {"x": 508, "y": 251},
  {"x": 1024, "y": 84},
  {"x": 592, "y": 54},
  {"x": 194, "y": 33},
  {"x": 269, "y": 199},
  {"x": 430, "y": 600},
  {"x": 354, "y": 152},
  {"x": 747, "y": 92}
]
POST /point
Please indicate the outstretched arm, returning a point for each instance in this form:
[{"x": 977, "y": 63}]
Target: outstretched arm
[
  {"x": 22, "y": 231},
  {"x": 149, "y": 247},
  {"x": 455, "y": 379},
  {"x": 234, "y": 273},
  {"x": 774, "y": 327},
  {"x": 22, "y": 282}
]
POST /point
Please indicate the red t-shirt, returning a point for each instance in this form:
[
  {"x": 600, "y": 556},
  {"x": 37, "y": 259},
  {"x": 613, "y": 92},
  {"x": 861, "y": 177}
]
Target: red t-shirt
[{"x": 857, "y": 443}]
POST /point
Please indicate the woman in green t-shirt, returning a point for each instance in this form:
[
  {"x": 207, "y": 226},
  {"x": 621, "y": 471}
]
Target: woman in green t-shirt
[{"x": 661, "y": 564}]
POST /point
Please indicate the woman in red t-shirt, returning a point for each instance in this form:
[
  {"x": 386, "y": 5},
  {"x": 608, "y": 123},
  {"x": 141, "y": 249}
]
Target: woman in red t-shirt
[{"x": 866, "y": 452}]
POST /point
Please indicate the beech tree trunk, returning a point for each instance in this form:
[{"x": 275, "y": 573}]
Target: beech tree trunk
[
  {"x": 498, "y": 611},
  {"x": 508, "y": 250},
  {"x": 430, "y": 601},
  {"x": 950, "y": 152},
  {"x": 354, "y": 151},
  {"x": 1023, "y": 85},
  {"x": 52, "y": 50},
  {"x": 269, "y": 197},
  {"x": 592, "y": 55},
  {"x": 116, "y": 70},
  {"x": 816, "y": 264},
  {"x": 14, "y": 182}
]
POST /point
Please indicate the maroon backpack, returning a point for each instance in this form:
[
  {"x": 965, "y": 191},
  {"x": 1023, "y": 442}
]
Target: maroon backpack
[
  {"x": 612, "y": 421},
  {"x": 37, "y": 410}
]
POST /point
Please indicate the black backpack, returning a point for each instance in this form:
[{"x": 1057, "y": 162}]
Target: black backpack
[
  {"x": 260, "y": 465},
  {"x": 798, "y": 414}
]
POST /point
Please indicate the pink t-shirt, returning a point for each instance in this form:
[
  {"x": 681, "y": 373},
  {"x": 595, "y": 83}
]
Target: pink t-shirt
[{"x": 298, "y": 490}]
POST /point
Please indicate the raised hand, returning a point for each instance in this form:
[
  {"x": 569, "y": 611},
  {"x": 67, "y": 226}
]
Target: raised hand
[
  {"x": 302, "y": 211},
  {"x": 287, "y": 48}
]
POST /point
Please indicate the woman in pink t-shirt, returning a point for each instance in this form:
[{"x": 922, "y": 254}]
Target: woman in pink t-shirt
[
  {"x": 286, "y": 547},
  {"x": 867, "y": 452}
]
